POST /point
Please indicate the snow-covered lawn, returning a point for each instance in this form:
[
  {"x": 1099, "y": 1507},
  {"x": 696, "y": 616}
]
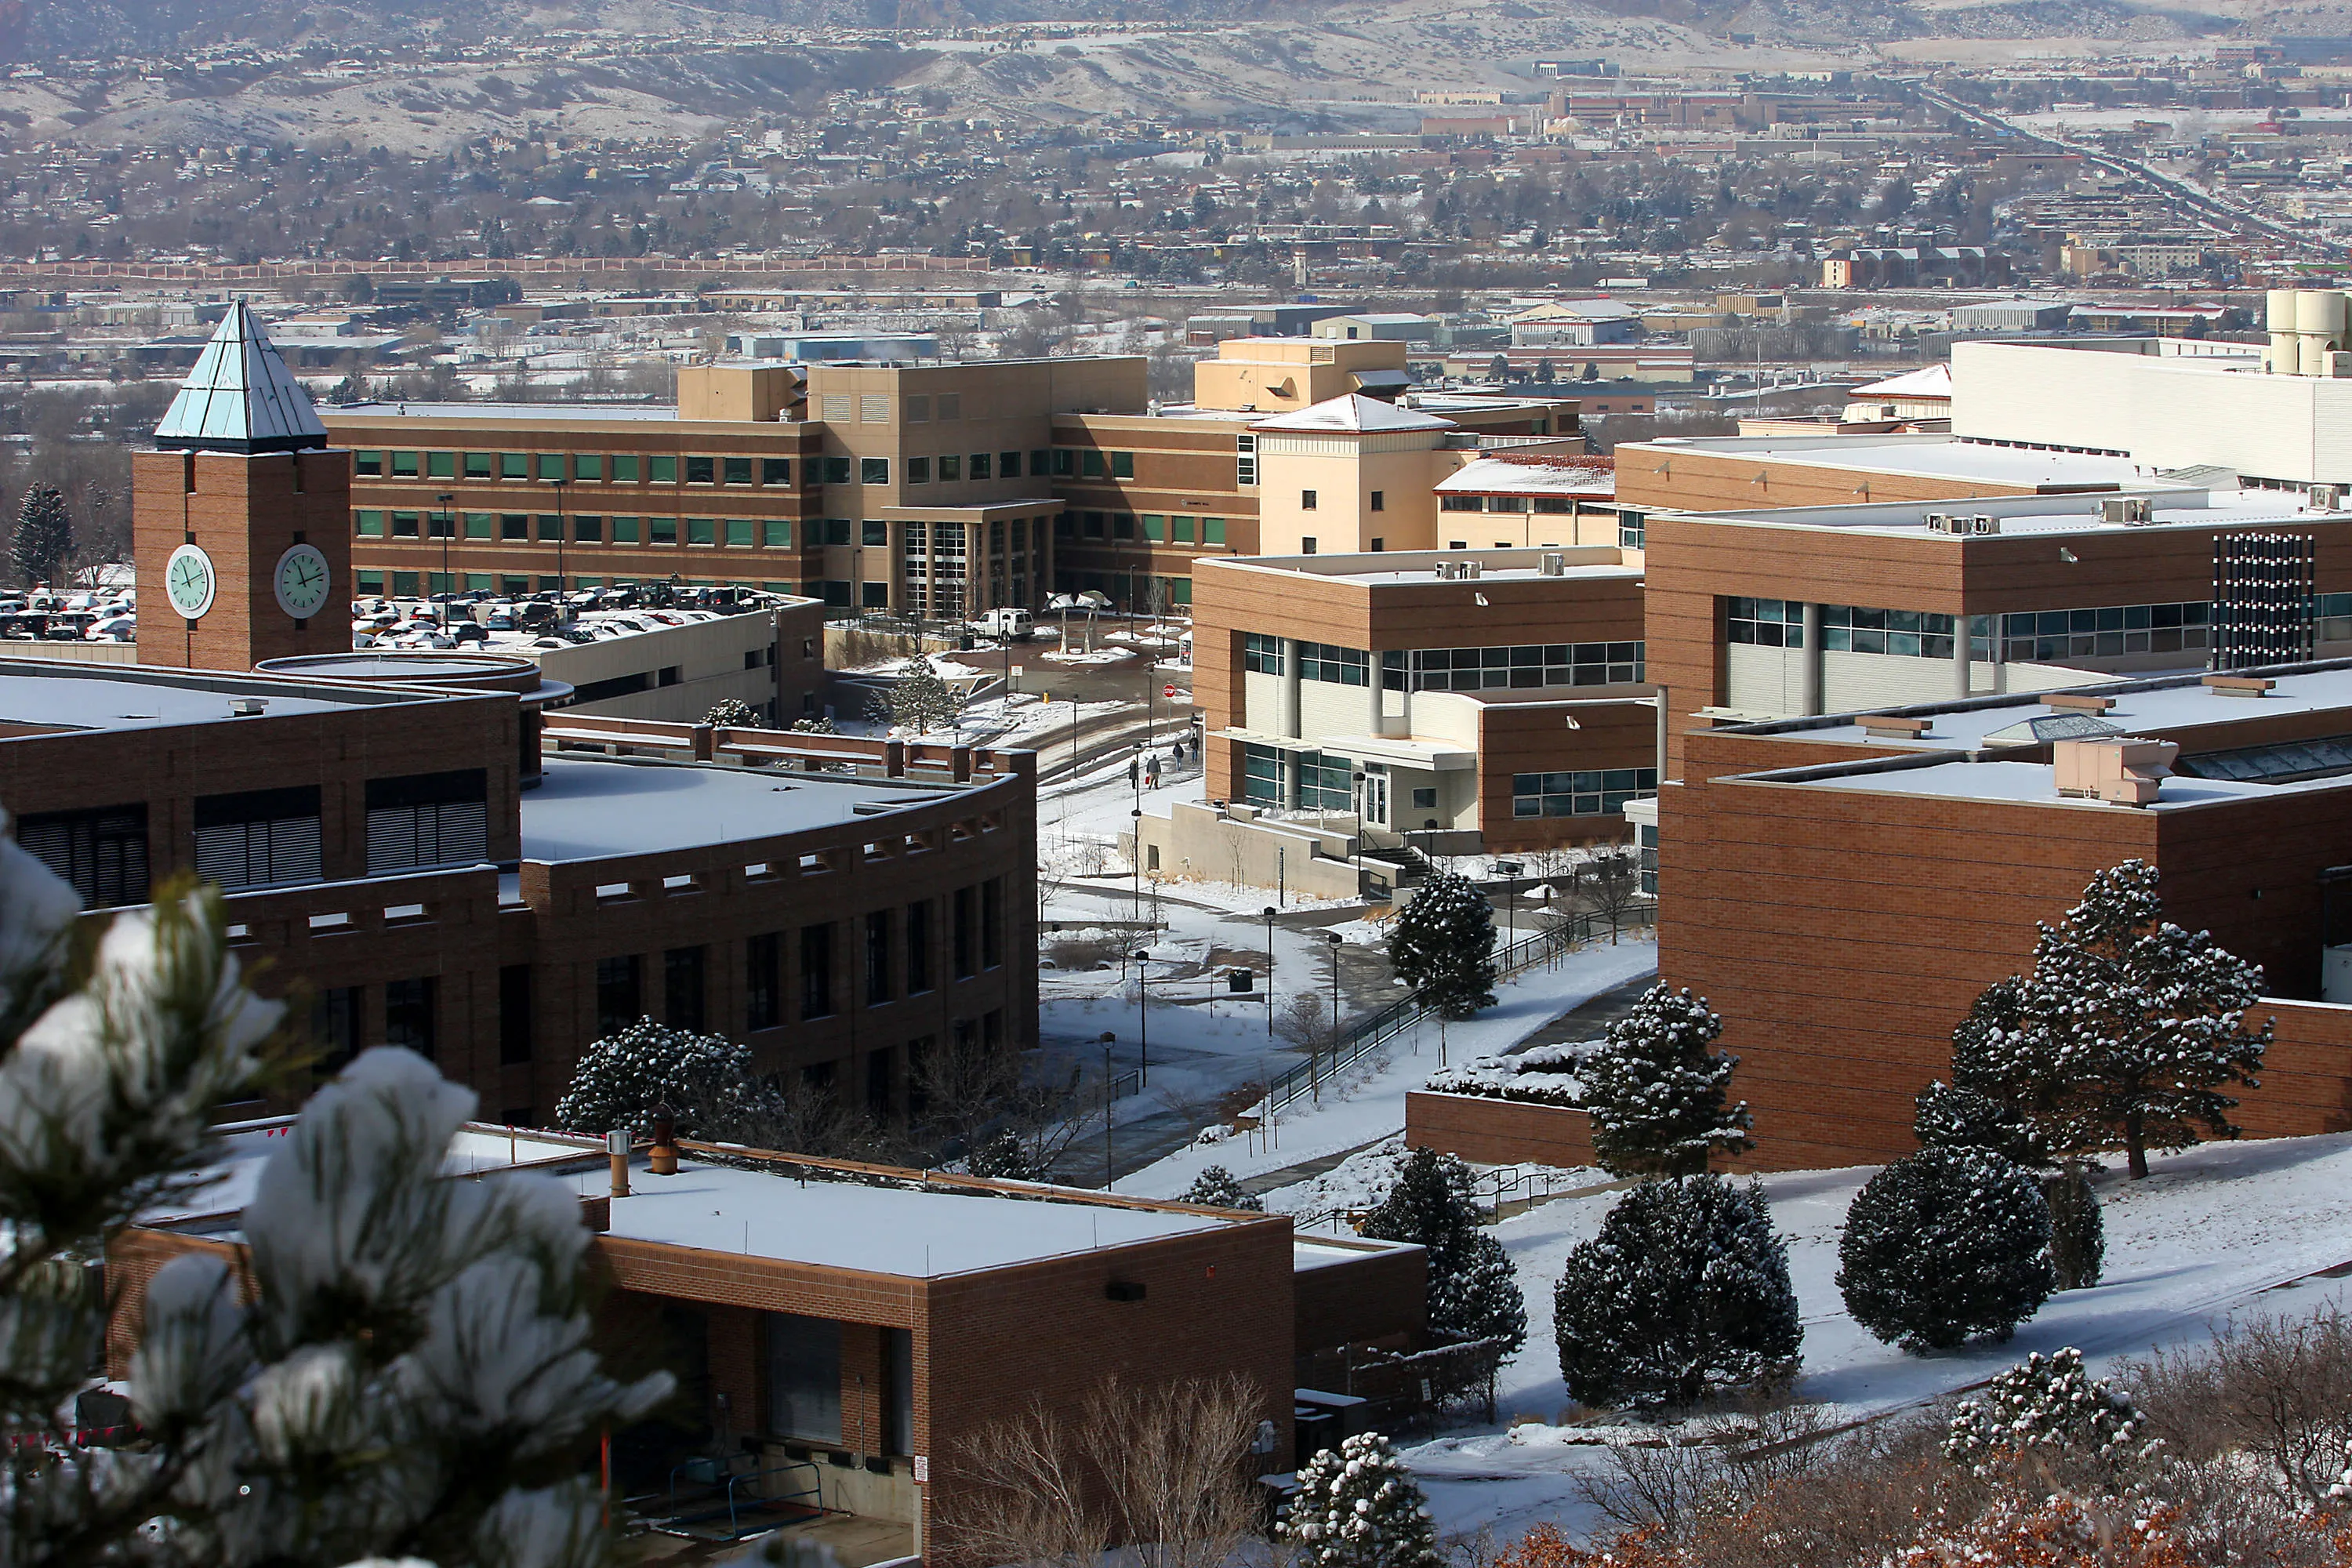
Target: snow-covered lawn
[
  {"x": 2214, "y": 1230},
  {"x": 1367, "y": 1105}
]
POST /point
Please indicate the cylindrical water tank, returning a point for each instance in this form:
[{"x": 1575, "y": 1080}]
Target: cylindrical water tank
[
  {"x": 2311, "y": 358},
  {"x": 2320, "y": 311},
  {"x": 2286, "y": 354},
  {"x": 2279, "y": 311}
]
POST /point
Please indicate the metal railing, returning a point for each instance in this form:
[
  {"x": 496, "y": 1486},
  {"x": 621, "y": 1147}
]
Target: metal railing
[{"x": 1375, "y": 1029}]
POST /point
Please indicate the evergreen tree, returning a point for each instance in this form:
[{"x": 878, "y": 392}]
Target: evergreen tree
[
  {"x": 2048, "y": 1405},
  {"x": 398, "y": 1368},
  {"x": 2128, "y": 1033},
  {"x": 1655, "y": 1093},
  {"x": 706, "y": 1080},
  {"x": 816, "y": 726},
  {"x": 1948, "y": 1117},
  {"x": 1216, "y": 1188},
  {"x": 1473, "y": 1293},
  {"x": 2078, "y": 1234},
  {"x": 1443, "y": 946},
  {"x": 1684, "y": 1293},
  {"x": 44, "y": 536},
  {"x": 921, "y": 702},
  {"x": 730, "y": 713},
  {"x": 1947, "y": 1246},
  {"x": 1004, "y": 1157},
  {"x": 1359, "y": 1507}
]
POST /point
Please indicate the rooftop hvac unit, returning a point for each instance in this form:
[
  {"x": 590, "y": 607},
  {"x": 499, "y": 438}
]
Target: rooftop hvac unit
[
  {"x": 2326, "y": 498},
  {"x": 1444, "y": 571},
  {"x": 1939, "y": 522},
  {"x": 1471, "y": 568},
  {"x": 2132, "y": 511},
  {"x": 1984, "y": 523},
  {"x": 1555, "y": 565}
]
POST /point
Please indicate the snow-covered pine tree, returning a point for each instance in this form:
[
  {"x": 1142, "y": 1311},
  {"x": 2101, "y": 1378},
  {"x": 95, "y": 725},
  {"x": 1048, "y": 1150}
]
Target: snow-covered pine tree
[
  {"x": 1004, "y": 1157},
  {"x": 1443, "y": 946},
  {"x": 707, "y": 1079},
  {"x": 2142, "y": 1023},
  {"x": 921, "y": 702},
  {"x": 816, "y": 726},
  {"x": 44, "y": 536},
  {"x": 1684, "y": 1293},
  {"x": 1359, "y": 1507},
  {"x": 1950, "y": 1117},
  {"x": 2047, "y": 1406},
  {"x": 1655, "y": 1093},
  {"x": 1217, "y": 1188},
  {"x": 2078, "y": 1233},
  {"x": 1947, "y": 1116},
  {"x": 1473, "y": 1293},
  {"x": 419, "y": 1385},
  {"x": 1945, "y": 1246},
  {"x": 730, "y": 713}
]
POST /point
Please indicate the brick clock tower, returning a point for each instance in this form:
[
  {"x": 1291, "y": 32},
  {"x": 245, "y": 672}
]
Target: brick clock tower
[{"x": 240, "y": 519}]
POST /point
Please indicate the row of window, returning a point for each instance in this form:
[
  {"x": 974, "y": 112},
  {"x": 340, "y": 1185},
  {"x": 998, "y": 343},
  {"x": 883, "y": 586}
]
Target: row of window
[
  {"x": 2024, "y": 636},
  {"x": 1553, "y": 505},
  {"x": 370, "y": 582},
  {"x": 1523, "y": 667},
  {"x": 630, "y": 469},
  {"x": 551, "y": 528},
  {"x": 1182, "y": 530},
  {"x": 1092, "y": 463},
  {"x": 1599, "y": 792},
  {"x": 953, "y": 467},
  {"x": 265, "y": 838},
  {"x": 1325, "y": 783}
]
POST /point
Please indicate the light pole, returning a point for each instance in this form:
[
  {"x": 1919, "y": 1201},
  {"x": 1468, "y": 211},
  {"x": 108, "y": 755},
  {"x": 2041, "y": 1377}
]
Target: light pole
[
  {"x": 448, "y": 583},
  {"x": 1269, "y": 971},
  {"x": 1110, "y": 1098},
  {"x": 1143, "y": 1017},
  {"x": 1314, "y": 1077},
  {"x": 561, "y": 526}
]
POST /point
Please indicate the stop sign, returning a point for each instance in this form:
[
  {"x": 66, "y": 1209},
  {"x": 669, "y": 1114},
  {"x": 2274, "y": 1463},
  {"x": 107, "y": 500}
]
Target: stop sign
[{"x": 1167, "y": 691}]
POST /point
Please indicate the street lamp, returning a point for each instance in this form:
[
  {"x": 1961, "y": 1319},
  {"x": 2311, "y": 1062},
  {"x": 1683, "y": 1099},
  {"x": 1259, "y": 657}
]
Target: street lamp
[
  {"x": 1143, "y": 1017},
  {"x": 448, "y": 527},
  {"x": 561, "y": 526},
  {"x": 1110, "y": 1098},
  {"x": 1314, "y": 1078},
  {"x": 1269, "y": 912}
]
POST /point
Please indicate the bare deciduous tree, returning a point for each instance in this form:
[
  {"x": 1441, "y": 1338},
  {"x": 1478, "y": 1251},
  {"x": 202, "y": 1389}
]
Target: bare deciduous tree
[{"x": 1608, "y": 887}]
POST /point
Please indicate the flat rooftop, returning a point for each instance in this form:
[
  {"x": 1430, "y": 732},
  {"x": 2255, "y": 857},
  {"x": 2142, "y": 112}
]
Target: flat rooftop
[
  {"x": 592, "y": 808},
  {"x": 493, "y": 413},
  {"x": 233, "y": 1173},
  {"x": 2036, "y": 783},
  {"x": 918, "y": 1233},
  {"x": 2149, "y": 709},
  {"x": 60, "y": 696},
  {"x": 1582, "y": 562},
  {"x": 2049, "y": 516},
  {"x": 1918, "y": 456}
]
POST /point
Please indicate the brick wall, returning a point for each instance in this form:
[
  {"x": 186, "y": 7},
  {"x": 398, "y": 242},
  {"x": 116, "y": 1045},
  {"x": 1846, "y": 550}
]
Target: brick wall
[{"x": 1497, "y": 1131}]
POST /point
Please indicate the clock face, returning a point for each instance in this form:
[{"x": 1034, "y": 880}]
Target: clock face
[
  {"x": 303, "y": 581},
  {"x": 189, "y": 582}
]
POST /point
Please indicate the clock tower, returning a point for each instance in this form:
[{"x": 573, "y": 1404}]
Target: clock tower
[{"x": 241, "y": 517}]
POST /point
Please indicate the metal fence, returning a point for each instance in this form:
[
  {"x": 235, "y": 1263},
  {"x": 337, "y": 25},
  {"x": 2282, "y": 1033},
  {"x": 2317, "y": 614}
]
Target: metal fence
[{"x": 1375, "y": 1029}]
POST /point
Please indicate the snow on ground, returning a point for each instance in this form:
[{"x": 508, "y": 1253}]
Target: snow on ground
[
  {"x": 2210, "y": 1231},
  {"x": 1364, "y": 1107}
]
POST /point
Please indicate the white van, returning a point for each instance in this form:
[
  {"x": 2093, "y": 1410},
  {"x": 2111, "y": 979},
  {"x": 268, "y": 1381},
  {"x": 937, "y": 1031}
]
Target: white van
[{"x": 1010, "y": 623}]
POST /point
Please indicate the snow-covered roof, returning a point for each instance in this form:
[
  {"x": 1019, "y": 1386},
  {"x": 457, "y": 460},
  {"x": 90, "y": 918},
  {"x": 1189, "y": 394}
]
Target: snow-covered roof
[
  {"x": 539, "y": 414},
  {"x": 1354, "y": 411},
  {"x": 241, "y": 397},
  {"x": 41, "y": 694},
  {"x": 1515, "y": 476},
  {"x": 588, "y": 809},
  {"x": 1932, "y": 381}
]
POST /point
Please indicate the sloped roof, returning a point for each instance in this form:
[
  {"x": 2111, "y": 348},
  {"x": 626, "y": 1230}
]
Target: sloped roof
[
  {"x": 1354, "y": 411},
  {"x": 1931, "y": 381},
  {"x": 241, "y": 397},
  {"x": 1565, "y": 475}
]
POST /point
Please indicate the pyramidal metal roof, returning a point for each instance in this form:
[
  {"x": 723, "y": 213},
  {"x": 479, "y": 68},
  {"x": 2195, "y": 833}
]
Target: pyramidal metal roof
[
  {"x": 241, "y": 397},
  {"x": 1355, "y": 412}
]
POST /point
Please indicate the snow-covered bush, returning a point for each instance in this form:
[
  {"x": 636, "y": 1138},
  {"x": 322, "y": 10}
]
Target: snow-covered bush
[
  {"x": 1004, "y": 1156},
  {"x": 918, "y": 701},
  {"x": 706, "y": 1080},
  {"x": 1945, "y": 1246},
  {"x": 1359, "y": 1507},
  {"x": 1684, "y": 1293},
  {"x": 1217, "y": 1188},
  {"x": 1541, "y": 1075},
  {"x": 2051, "y": 1406},
  {"x": 401, "y": 1367},
  {"x": 1656, "y": 1092},
  {"x": 1947, "y": 1116},
  {"x": 1950, "y": 1117},
  {"x": 730, "y": 713},
  {"x": 1473, "y": 1293},
  {"x": 1443, "y": 946}
]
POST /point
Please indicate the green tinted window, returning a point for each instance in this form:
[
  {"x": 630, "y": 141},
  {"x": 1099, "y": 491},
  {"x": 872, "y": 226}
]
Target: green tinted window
[
  {"x": 1181, "y": 590},
  {"x": 662, "y": 471},
  {"x": 404, "y": 584},
  {"x": 738, "y": 531},
  {"x": 403, "y": 525},
  {"x": 403, "y": 464},
  {"x": 370, "y": 524},
  {"x": 514, "y": 465},
  {"x": 775, "y": 471},
  {"x": 368, "y": 466},
  {"x": 662, "y": 530},
  {"x": 587, "y": 468},
  {"x": 701, "y": 470},
  {"x": 1122, "y": 465},
  {"x": 588, "y": 530},
  {"x": 553, "y": 466},
  {"x": 1093, "y": 463},
  {"x": 551, "y": 529},
  {"x": 478, "y": 524},
  {"x": 441, "y": 465},
  {"x": 478, "y": 465},
  {"x": 513, "y": 525},
  {"x": 1155, "y": 528},
  {"x": 776, "y": 533},
  {"x": 625, "y": 531},
  {"x": 369, "y": 582},
  {"x": 700, "y": 531},
  {"x": 477, "y": 582},
  {"x": 1213, "y": 531},
  {"x": 625, "y": 470},
  {"x": 737, "y": 471},
  {"x": 1182, "y": 529}
]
